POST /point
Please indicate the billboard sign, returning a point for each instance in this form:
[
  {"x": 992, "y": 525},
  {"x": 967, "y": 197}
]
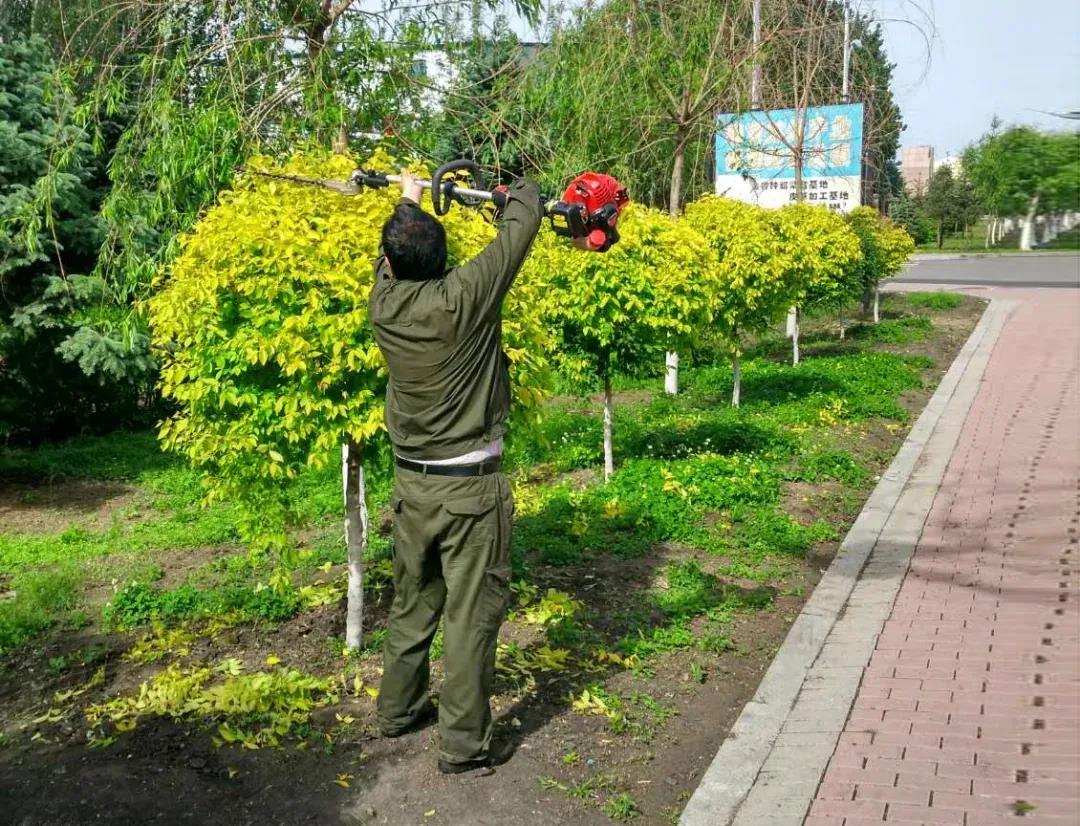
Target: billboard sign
[{"x": 755, "y": 164}]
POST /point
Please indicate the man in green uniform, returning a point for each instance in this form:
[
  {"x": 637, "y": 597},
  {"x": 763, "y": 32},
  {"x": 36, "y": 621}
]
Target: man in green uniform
[{"x": 446, "y": 409}]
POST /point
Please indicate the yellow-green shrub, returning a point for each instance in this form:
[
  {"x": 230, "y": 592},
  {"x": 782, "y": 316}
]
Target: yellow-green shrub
[
  {"x": 885, "y": 247},
  {"x": 751, "y": 287},
  {"x": 819, "y": 253},
  {"x": 261, "y": 329},
  {"x": 625, "y": 307}
]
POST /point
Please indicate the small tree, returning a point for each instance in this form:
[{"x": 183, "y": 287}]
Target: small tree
[
  {"x": 261, "y": 326},
  {"x": 909, "y": 214},
  {"x": 885, "y": 249},
  {"x": 751, "y": 290},
  {"x": 819, "y": 254},
  {"x": 623, "y": 308},
  {"x": 941, "y": 201}
]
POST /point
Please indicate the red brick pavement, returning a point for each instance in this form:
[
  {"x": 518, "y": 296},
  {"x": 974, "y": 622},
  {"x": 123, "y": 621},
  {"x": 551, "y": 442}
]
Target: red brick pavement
[{"x": 972, "y": 698}]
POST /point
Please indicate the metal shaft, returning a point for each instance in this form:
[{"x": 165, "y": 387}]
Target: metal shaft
[{"x": 458, "y": 190}]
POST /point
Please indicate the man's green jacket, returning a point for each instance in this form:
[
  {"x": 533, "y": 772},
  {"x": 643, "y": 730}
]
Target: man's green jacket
[{"x": 449, "y": 389}]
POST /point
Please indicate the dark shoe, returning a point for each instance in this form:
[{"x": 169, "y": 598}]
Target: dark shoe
[
  {"x": 469, "y": 765},
  {"x": 427, "y": 714}
]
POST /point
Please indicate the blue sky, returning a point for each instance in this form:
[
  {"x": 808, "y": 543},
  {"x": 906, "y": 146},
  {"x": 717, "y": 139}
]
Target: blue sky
[{"x": 987, "y": 57}]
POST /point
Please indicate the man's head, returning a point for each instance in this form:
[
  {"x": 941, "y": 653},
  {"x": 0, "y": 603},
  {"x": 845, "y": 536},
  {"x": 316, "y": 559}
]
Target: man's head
[{"x": 415, "y": 245}]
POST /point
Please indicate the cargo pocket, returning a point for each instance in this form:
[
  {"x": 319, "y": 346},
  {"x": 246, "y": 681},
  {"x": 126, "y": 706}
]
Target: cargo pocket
[
  {"x": 496, "y": 594},
  {"x": 481, "y": 531},
  {"x": 407, "y": 548}
]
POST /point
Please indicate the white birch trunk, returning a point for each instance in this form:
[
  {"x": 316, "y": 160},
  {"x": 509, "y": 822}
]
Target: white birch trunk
[
  {"x": 1027, "y": 234},
  {"x": 877, "y": 304},
  {"x": 356, "y": 537},
  {"x": 736, "y": 390},
  {"x": 795, "y": 338},
  {"x": 609, "y": 450},
  {"x": 671, "y": 378}
]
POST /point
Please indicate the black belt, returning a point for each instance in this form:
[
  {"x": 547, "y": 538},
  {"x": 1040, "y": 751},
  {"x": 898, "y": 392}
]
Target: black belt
[{"x": 482, "y": 469}]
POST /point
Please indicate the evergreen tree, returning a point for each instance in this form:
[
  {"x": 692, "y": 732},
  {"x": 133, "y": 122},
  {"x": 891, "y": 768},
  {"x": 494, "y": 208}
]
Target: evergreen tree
[{"x": 60, "y": 370}]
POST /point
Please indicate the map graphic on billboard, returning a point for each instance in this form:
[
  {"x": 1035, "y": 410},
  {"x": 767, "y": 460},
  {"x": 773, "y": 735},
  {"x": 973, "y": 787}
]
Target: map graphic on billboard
[{"x": 754, "y": 157}]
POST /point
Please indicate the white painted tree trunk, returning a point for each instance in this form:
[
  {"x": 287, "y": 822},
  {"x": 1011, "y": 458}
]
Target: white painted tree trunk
[
  {"x": 736, "y": 390},
  {"x": 877, "y": 304},
  {"x": 795, "y": 338},
  {"x": 609, "y": 450},
  {"x": 790, "y": 330},
  {"x": 671, "y": 377},
  {"x": 356, "y": 536},
  {"x": 1027, "y": 234}
]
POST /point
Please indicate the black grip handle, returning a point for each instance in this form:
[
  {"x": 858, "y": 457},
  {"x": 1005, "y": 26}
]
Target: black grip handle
[
  {"x": 372, "y": 180},
  {"x": 442, "y": 195}
]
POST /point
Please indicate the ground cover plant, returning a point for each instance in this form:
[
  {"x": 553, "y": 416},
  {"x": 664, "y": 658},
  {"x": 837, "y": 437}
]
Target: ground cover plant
[{"x": 136, "y": 625}]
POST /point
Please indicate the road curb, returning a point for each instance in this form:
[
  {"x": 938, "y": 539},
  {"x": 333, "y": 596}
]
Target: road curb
[
  {"x": 768, "y": 768},
  {"x": 958, "y": 256}
]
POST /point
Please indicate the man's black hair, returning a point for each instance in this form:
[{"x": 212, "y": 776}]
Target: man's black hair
[{"x": 415, "y": 245}]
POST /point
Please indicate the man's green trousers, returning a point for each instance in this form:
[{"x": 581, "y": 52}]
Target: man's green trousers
[{"x": 451, "y": 559}]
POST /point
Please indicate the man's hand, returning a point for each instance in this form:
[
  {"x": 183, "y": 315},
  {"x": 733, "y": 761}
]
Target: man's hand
[{"x": 410, "y": 188}]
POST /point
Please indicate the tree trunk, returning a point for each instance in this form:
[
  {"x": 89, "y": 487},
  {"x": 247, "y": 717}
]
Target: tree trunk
[
  {"x": 989, "y": 234},
  {"x": 1027, "y": 233},
  {"x": 356, "y": 537},
  {"x": 877, "y": 304},
  {"x": 671, "y": 377},
  {"x": 677, "y": 168},
  {"x": 736, "y": 368},
  {"x": 609, "y": 451},
  {"x": 940, "y": 233},
  {"x": 795, "y": 340}
]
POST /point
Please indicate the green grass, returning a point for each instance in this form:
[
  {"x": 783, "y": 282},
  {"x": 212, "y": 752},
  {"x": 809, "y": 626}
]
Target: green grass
[
  {"x": 934, "y": 301},
  {"x": 41, "y": 599},
  {"x": 622, "y": 808},
  {"x": 894, "y": 331},
  {"x": 692, "y": 470}
]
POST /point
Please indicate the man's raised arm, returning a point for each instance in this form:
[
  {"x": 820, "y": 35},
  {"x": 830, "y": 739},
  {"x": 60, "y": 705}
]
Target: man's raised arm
[{"x": 481, "y": 284}]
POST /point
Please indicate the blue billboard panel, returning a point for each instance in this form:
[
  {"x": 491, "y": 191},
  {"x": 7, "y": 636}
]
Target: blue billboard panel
[{"x": 755, "y": 155}]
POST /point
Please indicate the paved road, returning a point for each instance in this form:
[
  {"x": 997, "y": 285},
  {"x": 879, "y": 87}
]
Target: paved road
[{"x": 1022, "y": 270}]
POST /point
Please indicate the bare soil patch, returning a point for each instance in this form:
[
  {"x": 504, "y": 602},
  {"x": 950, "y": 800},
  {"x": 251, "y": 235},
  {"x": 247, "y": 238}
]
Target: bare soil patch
[{"x": 51, "y": 508}]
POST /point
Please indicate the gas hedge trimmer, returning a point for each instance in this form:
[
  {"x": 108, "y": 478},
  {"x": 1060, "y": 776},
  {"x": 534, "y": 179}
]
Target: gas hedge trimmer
[{"x": 587, "y": 214}]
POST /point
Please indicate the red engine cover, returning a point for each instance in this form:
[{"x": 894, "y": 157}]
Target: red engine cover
[
  {"x": 594, "y": 190},
  {"x": 597, "y": 191}
]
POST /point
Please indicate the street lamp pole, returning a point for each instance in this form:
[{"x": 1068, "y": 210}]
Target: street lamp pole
[
  {"x": 755, "y": 71},
  {"x": 846, "y": 90}
]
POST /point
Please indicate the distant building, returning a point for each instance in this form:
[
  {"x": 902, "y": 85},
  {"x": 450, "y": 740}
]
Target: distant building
[
  {"x": 954, "y": 162},
  {"x": 916, "y": 167},
  {"x": 436, "y": 73}
]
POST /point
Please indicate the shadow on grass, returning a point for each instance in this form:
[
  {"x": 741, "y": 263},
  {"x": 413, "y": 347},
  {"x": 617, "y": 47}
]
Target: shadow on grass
[{"x": 725, "y": 437}]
